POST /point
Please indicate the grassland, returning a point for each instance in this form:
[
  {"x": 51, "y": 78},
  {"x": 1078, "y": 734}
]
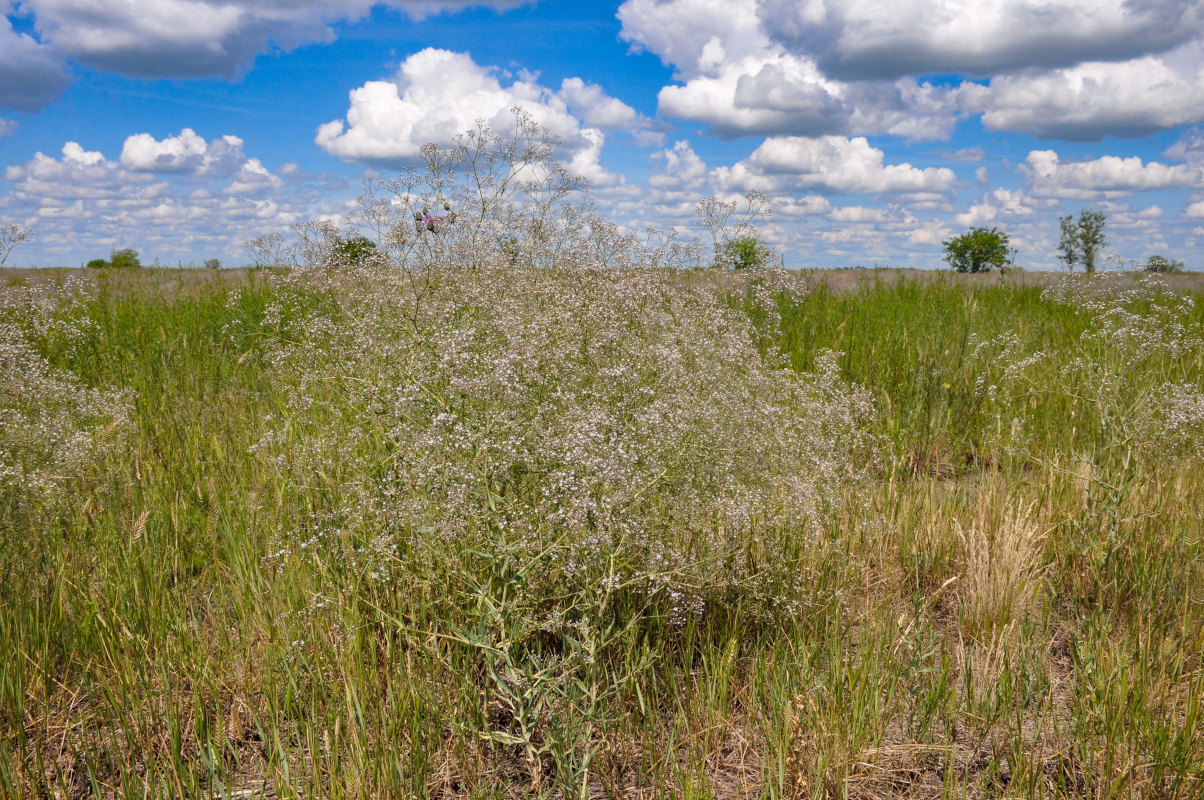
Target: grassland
[{"x": 451, "y": 535}]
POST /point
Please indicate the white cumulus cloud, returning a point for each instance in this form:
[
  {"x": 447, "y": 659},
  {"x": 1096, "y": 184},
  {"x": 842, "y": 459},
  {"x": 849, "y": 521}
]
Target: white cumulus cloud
[
  {"x": 31, "y": 73},
  {"x": 438, "y": 94},
  {"x": 860, "y": 39},
  {"x": 832, "y": 164},
  {"x": 81, "y": 203},
  {"x": 1096, "y": 99},
  {"x": 682, "y": 168},
  {"x": 1000, "y": 203},
  {"x": 737, "y": 80},
  {"x": 1189, "y": 149},
  {"x": 1194, "y": 210},
  {"x": 1102, "y": 178},
  {"x": 858, "y": 214},
  {"x": 1080, "y": 69},
  {"x": 187, "y": 153},
  {"x": 191, "y": 38},
  {"x": 596, "y": 108}
]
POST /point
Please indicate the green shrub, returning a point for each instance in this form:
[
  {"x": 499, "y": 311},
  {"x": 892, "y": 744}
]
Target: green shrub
[
  {"x": 745, "y": 252},
  {"x": 353, "y": 251},
  {"x": 213, "y": 263},
  {"x": 1162, "y": 264},
  {"x": 98, "y": 263}
]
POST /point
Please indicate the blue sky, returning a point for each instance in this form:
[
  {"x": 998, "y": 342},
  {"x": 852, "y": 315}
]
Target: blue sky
[{"x": 877, "y": 127}]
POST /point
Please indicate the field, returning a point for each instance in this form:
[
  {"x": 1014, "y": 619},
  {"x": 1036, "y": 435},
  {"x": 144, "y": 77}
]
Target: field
[{"x": 630, "y": 534}]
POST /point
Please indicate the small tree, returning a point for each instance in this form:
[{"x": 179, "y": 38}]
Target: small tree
[
  {"x": 1162, "y": 264},
  {"x": 10, "y": 237},
  {"x": 125, "y": 258},
  {"x": 977, "y": 250},
  {"x": 1081, "y": 241},
  {"x": 213, "y": 263}
]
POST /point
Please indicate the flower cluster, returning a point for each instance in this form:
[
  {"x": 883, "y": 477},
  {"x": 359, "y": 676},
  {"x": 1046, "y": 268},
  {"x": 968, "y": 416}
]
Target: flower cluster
[
  {"x": 615, "y": 423},
  {"x": 1131, "y": 381},
  {"x": 54, "y": 431}
]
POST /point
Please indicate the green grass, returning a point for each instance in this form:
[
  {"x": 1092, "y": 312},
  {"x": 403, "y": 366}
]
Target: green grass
[{"x": 987, "y": 620}]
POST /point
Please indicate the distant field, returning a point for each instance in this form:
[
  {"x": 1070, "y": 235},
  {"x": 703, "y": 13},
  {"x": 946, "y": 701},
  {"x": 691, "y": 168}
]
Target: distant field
[
  {"x": 837, "y": 279},
  {"x": 858, "y": 533}
]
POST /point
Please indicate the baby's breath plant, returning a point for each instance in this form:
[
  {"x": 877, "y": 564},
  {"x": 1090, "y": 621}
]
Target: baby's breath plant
[
  {"x": 732, "y": 232},
  {"x": 12, "y": 235},
  {"x": 1133, "y": 378},
  {"x": 486, "y": 198},
  {"x": 613, "y": 443},
  {"x": 576, "y": 413},
  {"x": 55, "y": 432},
  {"x": 492, "y": 199}
]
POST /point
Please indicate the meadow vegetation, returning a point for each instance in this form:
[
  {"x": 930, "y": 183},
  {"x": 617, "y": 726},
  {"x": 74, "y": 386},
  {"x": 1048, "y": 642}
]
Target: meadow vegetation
[{"x": 516, "y": 520}]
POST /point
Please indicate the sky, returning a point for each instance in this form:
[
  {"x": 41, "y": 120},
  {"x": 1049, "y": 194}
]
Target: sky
[{"x": 878, "y": 128}]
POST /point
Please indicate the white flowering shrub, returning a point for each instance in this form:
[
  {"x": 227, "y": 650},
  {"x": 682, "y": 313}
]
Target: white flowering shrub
[
  {"x": 494, "y": 200},
  {"x": 54, "y": 431},
  {"x": 1131, "y": 383},
  {"x": 611, "y": 424}
]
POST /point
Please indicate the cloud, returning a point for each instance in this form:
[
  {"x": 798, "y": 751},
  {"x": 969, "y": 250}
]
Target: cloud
[
  {"x": 438, "y": 94},
  {"x": 682, "y": 169},
  {"x": 998, "y": 203},
  {"x": 1189, "y": 149},
  {"x": 81, "y": 203},
  {"x": 738, "y": 81},
  {"x": 858, "y": 214},
  {"x": 971, "y": 154},
  {"x": 831, "y": 164},
  {"x": 187, "y": 153},
  {"x": 1102, "y": 178},
  {"x": 1096, "y": 99},
  {"x": 678, "y": 181},
  {"x": 1140, "y": 220},
  {"x": 805, "y": 206},
  {"x": 252, "y": 179},
  {"x": 596, "y": 108},
  {"x": 930, "y": 232},
  {"x": 779, "y": 94},
  {"x": 1194, "y": 210},
  {"x": 77, "y": 175},
  {"x": 8, "y": 127},
  {"x": 31, "y": 74},
  {"x": 194, "y": 38},
  {"x": 694, "y": 36},
  {"x": 882, "y": 39},
  {"x": 1079, "y": 70}
]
